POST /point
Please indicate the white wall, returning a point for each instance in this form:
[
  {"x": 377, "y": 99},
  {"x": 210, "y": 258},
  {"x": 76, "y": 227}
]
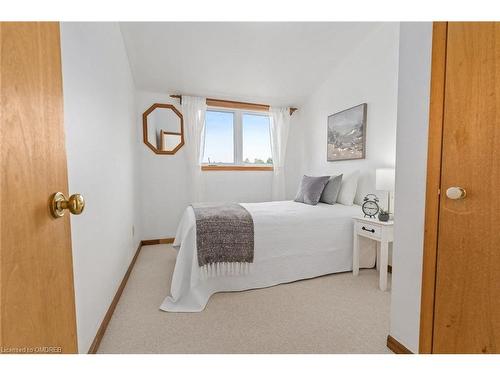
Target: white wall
[
  {"x": 368, "y": 74},
  {"x": 164, "y": 189},
  {"x": 411, "y": 154},
  {"x": 100, "y": 134}
]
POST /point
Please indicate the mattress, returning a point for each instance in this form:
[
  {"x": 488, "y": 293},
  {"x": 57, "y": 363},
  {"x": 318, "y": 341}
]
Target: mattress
[{"x": 293, "y": 241}]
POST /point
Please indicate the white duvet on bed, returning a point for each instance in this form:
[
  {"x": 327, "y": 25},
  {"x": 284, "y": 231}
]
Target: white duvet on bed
[{"x": 293, "y": 241}]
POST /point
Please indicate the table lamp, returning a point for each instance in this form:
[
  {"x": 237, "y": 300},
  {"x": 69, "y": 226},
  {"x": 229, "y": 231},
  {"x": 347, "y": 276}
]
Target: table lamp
[{"x": 384, "y": 179}]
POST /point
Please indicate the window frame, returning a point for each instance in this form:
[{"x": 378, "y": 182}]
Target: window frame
[{"x": 238, "y": 164}]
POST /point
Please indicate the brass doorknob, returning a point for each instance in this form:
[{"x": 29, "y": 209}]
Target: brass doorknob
[
  {"x": 456, "y": 192},
  {"x": 58, "y": 203}
]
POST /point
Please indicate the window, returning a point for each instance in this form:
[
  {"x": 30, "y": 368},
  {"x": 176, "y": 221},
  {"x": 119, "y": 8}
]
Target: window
[
  {"x": 238, "y": 139},
  {"x": 219, "y": 138},
  {"x": 256, "y": 139}
]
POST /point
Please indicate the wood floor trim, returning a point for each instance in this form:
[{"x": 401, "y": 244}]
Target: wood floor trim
[
  {"x": 396, "y": 346},
  {"x": 107, "y": 318},
  {"x": 157, "y": 241}
]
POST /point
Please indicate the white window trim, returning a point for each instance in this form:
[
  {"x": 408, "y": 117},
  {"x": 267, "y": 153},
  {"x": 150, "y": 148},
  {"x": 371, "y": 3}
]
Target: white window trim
[{"x": 238, "y": 137}]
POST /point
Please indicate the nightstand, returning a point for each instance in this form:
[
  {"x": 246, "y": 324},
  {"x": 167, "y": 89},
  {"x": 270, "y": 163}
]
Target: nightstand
[{"x": 380, "y": 231}]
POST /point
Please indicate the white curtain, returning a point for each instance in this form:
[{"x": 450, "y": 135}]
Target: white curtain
[
  {"x": 280, "y": 124},
  {"x": 193, "y": 111}
]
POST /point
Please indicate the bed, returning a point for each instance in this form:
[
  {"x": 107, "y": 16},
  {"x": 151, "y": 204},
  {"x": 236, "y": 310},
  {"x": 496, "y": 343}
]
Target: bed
[{"x": 293, "y": 241}]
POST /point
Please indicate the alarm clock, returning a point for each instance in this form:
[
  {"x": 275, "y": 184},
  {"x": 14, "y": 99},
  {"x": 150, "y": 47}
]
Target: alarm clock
[{"x": 370, "y": 206}]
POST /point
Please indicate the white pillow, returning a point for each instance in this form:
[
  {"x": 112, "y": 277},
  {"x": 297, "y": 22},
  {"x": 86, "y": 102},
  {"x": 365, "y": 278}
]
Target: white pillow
[{"x": 348, "y": 189}]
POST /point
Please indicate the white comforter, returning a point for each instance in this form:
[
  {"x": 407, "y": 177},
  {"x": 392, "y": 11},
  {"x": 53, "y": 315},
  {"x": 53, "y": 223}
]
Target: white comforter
[{"x": 293, "y": 241}]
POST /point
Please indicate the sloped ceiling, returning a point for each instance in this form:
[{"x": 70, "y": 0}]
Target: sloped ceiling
[{"x": 277, "y": 63}]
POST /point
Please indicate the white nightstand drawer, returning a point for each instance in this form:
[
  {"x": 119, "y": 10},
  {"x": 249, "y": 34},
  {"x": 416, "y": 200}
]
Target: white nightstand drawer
[{"x": 366, "y": 229}]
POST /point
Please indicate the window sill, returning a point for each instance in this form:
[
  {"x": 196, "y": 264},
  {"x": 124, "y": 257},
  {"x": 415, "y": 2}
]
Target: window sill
[{"x": 235, "y": 168}]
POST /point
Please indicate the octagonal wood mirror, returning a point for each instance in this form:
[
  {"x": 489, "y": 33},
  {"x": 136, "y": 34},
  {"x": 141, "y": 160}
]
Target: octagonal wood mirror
[{"x": 163, "y": 129}]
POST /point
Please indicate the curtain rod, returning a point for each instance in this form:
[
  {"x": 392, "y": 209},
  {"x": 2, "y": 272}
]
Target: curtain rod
[{"x": 237, "y": 105}]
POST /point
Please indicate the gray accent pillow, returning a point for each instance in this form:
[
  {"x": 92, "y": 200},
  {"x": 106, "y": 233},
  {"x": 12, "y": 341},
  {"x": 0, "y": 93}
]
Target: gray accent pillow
[
  {"x": 331, "y": 190},
  {"x": 310, "y": 189}
]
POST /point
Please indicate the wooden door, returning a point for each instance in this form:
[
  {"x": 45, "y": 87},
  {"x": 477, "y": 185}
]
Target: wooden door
[
  {"x": 37, "y": 308},
  {"x": 467, "y": 296}
]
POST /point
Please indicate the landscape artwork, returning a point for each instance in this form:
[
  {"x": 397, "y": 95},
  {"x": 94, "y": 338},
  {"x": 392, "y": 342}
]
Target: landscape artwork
[{"x": 347, "y": 134}]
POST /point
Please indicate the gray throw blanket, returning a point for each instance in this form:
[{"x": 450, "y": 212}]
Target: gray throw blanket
[{"x": 224, "y": 238}]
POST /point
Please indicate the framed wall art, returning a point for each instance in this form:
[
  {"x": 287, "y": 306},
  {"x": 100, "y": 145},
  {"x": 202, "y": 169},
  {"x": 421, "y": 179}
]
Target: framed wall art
[{"x": 347, "y": 134}]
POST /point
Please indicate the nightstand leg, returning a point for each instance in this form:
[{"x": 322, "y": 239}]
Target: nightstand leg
[
  {"x": 384, "y": 257},
  {"x": 355, "y": 255},
  {"x": 377, "y": 255}
]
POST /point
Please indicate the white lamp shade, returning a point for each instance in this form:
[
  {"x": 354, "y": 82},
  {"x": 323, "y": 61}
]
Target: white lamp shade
[{"x": 385, "y": 178}]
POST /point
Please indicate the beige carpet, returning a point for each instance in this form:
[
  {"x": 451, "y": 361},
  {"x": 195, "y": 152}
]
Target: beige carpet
[{"x": 330, "y": 314}]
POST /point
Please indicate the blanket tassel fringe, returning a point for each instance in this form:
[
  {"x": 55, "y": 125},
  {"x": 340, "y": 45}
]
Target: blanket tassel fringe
[{"x": 225, "y": 269}]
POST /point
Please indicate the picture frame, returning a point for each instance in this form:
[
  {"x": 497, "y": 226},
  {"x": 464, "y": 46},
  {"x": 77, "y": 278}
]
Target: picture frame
[{"x": 346, "y": 134}]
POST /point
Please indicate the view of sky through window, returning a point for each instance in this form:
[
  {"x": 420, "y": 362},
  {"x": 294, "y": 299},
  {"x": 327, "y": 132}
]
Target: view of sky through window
[
  {"x": 219, "y": 138},
  {"x": 256, "y": 139}
]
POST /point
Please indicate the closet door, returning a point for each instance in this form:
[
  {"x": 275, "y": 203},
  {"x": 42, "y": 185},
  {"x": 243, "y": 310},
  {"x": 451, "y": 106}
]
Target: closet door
[{"x": 467, "y": 295}]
